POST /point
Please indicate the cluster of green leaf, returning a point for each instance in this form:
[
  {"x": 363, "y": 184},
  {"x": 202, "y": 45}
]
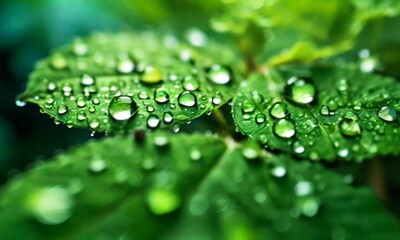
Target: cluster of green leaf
[{"x": 271, "y": 182}]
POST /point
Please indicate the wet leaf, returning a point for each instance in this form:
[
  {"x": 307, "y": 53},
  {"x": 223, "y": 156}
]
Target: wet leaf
[
  {"x": 121, "y": 81},
  {"x": 149, "y": 188},
  {"x": 321, "y": 113}
]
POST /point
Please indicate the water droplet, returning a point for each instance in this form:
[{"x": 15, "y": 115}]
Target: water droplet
[
  {"x": 96, "y": 101},
  {"x": 298, "y": 147},
  {"x": 168, "y": 117},
  {"x": 67, "y": 89},
  {"x": 80, "y": 102},
  {"x": 143, "y": 95},
  {"x": 152, "y": 75},
  {"x": 153, "y": 121},
  {"x": 219, "y": 75},
  {"x": 97, "y": 165},
  {"x": 189, "y": 83},
  {"x": 342, "y": 85},
  {"x": 20, "y": 103},
  {"x": 304, "y": 188},
  {"x": 122, "y": 108},
  {"x": 248, "y": 107},
  {"x": 176, "y": 127},
  {"x": 81, "y": 116},
  {"x": 250, "y": 151},
  {"x": 94, "y": 123},
  {"x": 162, "y": 201},
  {"x": 161, "y": 96},
  {"x": 284, "y": 128},
  {"x": 187, "y": 99},
  {"x": 62, "y": 109},
  {"x": 278, "y": 110},
  {"x": 196, "y": 37},
  {"x": 260, "y": 118},
  {"x": 150, "y": 108},
  {"x": 278, "y": 171},
  {"x": 300, "y": 90},
  {"x": 343, "y": 152},
  {"x": 160, "y": 141},
  {"x": 195, "y": 154},
  {"x": 87, "y": 80},
  {"x": 51, "y": 205},
  {"x": 309, "y": 206},
  {"x": 325, "y": 111},
  {"x": 387, "y": 113},
  {"x": 51, "y": 87},
  {"x": 217, "y": 99},
  {"x": 349, "y": 126},
  {"x": 79, "y": 48},
  {"x": 125, "y": 64},
  {"x": 58, "y": 61}
]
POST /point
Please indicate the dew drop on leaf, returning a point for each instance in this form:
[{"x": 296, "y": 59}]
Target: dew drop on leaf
[
  {"x": 58, "y": 61},
  {"x": 189, "y": 83},
  {"x": 300, "y": 90},
  {"x": 387, "y": 113},
  {"x": 160, "y": 141},
  {"x": 304, "y": 188},
  {"x": 151, "y": 75},
  {"x": 62, "y": 109},
  {"x": 125, "y": 64},
  {"x": 143, "y": 95},
  {"x": 87, "y": 80},
  {"x": 79, "y": 48},
  {"x": 260, "y": 118},
  {"x": 162, "y": 201},
  {"x": 153, "y": 121},
  {"x": 187, "y": 99},
  {"x": 51, "y": 205},
  {"x": 219, "y": 75},
  {"x": 122, "y": 108},
  {"x": 168, "y": 117},
  {"x": 195, "y": 154},
  {"x": 278, "y": 110},
  {"x": 278, "y": 171},
  {"x": 284, "y": 128},
  {"x": 349, "y": 125},
  {"x": 80, "y": 102},
  {"x": 161, "y": 96},
  {"x": 97, "y": 165},
  {"x": 248, "y": 107}
]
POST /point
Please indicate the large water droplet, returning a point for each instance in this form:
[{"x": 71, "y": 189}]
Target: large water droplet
[
  {"x": 152, "y": 75},
  {"x": 284, "y": 128},
  {"x": 51, "y": 205},
  {"x": 187, "y": 99},
  {"x": 162, "y": 201},
  {"x": 278, "y": 110},
  {"x": 122, "y": 108},
  {"x": 300, "y": 90},
  {"x": 387, "y": 113},
  {"x": 349, "y": 125},
  {"x": 153, "y": 121},
  {"x": 219, "y": 75}
]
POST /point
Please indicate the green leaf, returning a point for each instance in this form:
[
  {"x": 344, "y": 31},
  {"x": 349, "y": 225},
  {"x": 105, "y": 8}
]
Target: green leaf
[
  {"x": 321, "y": 113},
  {"x": 150, "y": 189},
  {"x": 121, "y": 81}
]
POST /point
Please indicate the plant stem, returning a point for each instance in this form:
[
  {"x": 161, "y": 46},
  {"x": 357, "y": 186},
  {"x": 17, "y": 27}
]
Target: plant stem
[
  {"x": 376, "y": 178},
  {"x": 219, "y": 116}
]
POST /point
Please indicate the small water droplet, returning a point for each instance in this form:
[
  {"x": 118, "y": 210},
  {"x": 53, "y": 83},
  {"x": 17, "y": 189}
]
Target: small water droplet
[
  {"x": 62, "y": 109},
  {"x": 162, "y": 201},
  {"x": 195, "y": 154},
  {"x": 153, "y": 121},
  {"x": 150, "y": 108},
  {"x": 309, "y": 206},
  {"x": 51, "y": 86},
  {"x": 67, "y": 89},
  {"x": 349, "y": 126},
  {"x": 81, "y": 116},
  {"x": 219, "y": 75},
  {"x": 278, "y": 110},
  {"x": 248, "y": 107},
  {"x": 284, "y": 128},
  {"x": 79, "y": 48},
  {"x": 387, "y": 113},
  {"x": 122, "y": 108},
  {"x": 96, "y": 101},
  {"x": 87, "y": 80},
  {"x": 298, "y": 147},
  {"x": 94, "y": 123},
  {"x": 161, "y": 96},
  {"x": 187, "y": 99},
  {"x": 80, "y": 102},
  {"x": 278, "y": 171},
  {"x": 325, "y": 111},
  {"x": 260, "y": 118},
  {"x": 97, "y": 165},
  {"x": 20, "y": 103},
  {"x": 152, "y": 75},
  {"x": 189, "y": 83},
  {"x": 304, "y": 188},
  {"x": 58, "y": 61},
  {"x": 143, "y": 95},
  {"x": 250, "y": 151},
  {"x": 168, "y": 117},
  {"x": 343, "y": 152},
  {"x": 125, "y": 64},
  {"x": 300, "y": 90},
  {"x": 217, "y": 99}
]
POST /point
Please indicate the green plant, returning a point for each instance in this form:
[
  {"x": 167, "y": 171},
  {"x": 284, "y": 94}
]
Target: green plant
[{"x": 298, "y": 108}]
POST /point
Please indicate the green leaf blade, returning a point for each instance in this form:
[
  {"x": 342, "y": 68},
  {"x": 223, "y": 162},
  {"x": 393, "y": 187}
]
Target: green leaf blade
[
  {"x": 118, "y": 82},
  {"x": 340, "y": 113}
]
